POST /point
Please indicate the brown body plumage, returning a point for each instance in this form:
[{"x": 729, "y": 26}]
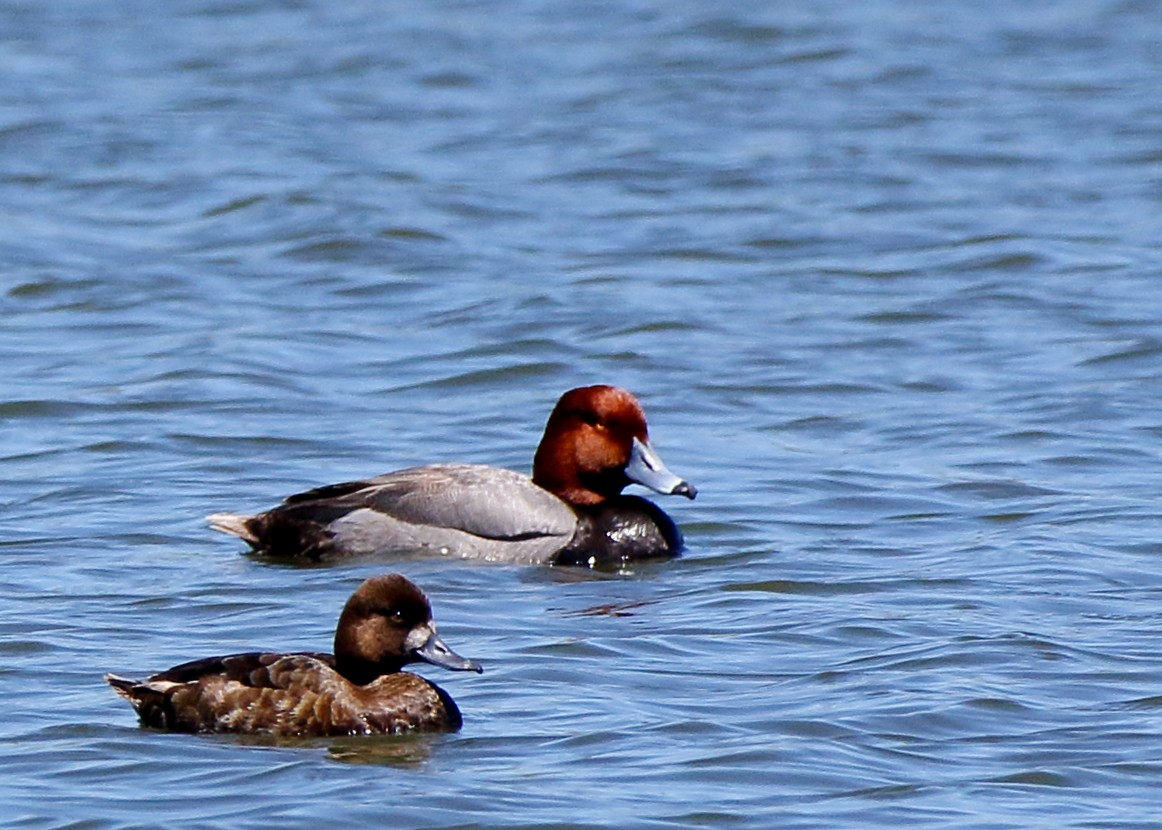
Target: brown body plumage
[{"x": 359, "y": 690}]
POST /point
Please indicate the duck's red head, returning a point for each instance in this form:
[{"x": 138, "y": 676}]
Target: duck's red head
[{"x": 595, "y": 443}]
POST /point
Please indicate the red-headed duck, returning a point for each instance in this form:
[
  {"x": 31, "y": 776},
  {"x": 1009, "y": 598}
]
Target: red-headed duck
[
  {"x": 571, "y": 512},
  {"x": 358, "y": 690}
]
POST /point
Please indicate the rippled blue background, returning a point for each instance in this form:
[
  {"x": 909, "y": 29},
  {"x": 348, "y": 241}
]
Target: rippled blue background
[{"x": 886, "y": 276}]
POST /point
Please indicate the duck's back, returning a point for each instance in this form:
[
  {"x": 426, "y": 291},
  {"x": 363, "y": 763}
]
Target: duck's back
[{"x": 469, "y": 510}]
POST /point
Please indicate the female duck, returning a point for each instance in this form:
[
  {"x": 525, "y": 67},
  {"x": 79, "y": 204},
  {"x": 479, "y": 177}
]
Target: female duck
[
  {"x": 358, "y": 690},
  {"x": 571, "y": 512}
]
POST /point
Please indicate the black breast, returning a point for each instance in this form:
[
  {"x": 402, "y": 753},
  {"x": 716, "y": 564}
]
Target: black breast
[{"x": 621, "y": 529}]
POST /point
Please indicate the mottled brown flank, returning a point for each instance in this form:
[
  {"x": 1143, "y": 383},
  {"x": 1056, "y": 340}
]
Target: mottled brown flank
[
  {"x": 294, "y": 694},
  {"x": 587, "y": 443}
]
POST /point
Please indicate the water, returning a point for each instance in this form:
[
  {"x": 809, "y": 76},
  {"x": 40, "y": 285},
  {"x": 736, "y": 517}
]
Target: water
[{"x": 885, "y": 276}]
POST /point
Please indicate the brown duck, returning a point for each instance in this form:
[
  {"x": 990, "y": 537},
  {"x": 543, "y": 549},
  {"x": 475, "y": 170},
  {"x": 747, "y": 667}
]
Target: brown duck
[{"x": 359, "y": 690}]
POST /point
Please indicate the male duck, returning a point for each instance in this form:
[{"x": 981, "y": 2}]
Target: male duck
[{"x": 571, "y": 512}]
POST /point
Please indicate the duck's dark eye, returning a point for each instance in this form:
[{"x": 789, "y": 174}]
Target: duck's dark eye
[
  {"x": 588, "y": 416},
  {"x": 395, "y": 615}
]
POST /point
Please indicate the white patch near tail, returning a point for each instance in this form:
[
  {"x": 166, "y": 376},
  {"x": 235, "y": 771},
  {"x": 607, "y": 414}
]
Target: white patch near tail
[
  {"x": 233, "y": 524},
  {"x": 122, "y": 685}
]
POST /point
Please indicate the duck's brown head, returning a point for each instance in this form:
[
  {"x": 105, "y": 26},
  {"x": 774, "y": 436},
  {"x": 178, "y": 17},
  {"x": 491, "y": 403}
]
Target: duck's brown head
[{"x": 386, "y": 624}]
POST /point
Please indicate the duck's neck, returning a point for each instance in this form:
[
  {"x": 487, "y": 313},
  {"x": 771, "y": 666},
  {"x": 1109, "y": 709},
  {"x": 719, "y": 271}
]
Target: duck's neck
[
  {"x": 361, "y": 671},
  {"x": 357, "y": 659},
  {"x": 574, "y": 486}
]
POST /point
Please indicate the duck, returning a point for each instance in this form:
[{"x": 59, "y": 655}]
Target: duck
[
  {"x": 570, "y": 512},
  {"x": 358, "y": 690}
]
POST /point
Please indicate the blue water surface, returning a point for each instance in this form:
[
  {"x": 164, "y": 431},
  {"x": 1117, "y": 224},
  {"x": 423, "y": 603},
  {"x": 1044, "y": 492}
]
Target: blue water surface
[{"x": 885, "y": 276}]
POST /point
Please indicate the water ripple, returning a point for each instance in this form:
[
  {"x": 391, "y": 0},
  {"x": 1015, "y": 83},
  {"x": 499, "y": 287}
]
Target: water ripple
[{"x": 883, "y": 278}]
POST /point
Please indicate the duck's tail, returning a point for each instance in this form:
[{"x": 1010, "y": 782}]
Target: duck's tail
[
  {"x": 122, "y": 685},
  {"x": 233, "y": 524},
  {"x": 147, "y": 697}
]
